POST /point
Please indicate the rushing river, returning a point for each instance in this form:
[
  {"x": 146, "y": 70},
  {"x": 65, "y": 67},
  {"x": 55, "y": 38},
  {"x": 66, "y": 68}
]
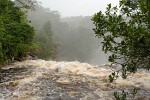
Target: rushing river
[{"x": 51, "y": 80}]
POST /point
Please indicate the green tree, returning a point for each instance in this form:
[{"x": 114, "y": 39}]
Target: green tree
[
  {"x": 27, "y": 4},
  {"x": 47, "y": 28},
  {"x": 126, "y": 34},
  {"x": 46, "y": 49},
  {"x": 44, "y": 21},
  {"x": 16, "y": 35},
  {"x": 1, "y": 39}
]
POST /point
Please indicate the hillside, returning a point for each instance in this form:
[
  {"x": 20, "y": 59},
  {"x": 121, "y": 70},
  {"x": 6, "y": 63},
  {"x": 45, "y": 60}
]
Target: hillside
[{"x": 51, "y": 80}]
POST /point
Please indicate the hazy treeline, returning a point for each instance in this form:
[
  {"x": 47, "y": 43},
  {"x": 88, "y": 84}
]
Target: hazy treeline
[
  {"x": 45, "y": 33},
  {"x": 72, "y": 37},
  {"x": 79, "y": 42}
]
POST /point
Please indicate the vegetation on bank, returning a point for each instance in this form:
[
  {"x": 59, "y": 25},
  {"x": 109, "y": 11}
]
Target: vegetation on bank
[
  {"x": 125, "y": 31},
  {"x": 52, "y": 33},
  {"x": 126, "y": 34},
  {"x": 46, "y": 48},
  {"x": 19, "y": 37},
  {"x": 16, "y": 35}
]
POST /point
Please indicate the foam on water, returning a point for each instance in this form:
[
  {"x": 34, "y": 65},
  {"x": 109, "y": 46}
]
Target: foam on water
[
  {"x": 76, "y": 68},
  {"x": 85, "y": 69}
]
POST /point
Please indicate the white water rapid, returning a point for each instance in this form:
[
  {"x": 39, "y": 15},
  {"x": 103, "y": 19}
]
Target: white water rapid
[{"x": 51, "y": 80}]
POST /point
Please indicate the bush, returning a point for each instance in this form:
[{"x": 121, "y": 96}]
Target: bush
[
  {"x": 16, "y": 35},
  {"x": 126, "y": 34}
]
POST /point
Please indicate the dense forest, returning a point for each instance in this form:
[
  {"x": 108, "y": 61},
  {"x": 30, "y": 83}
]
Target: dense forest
[{"x": 16, "y": 35}]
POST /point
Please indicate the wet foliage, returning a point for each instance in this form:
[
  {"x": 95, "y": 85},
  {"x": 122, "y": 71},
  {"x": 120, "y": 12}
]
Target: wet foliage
[{"x": 126, "y": 34}]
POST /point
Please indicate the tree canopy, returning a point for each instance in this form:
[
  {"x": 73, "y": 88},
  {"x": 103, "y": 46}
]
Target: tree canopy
[
  {"x": 43, "y": 20},
  {"x": 16, "y": 35},
  {"x": 125, "y": 31}
]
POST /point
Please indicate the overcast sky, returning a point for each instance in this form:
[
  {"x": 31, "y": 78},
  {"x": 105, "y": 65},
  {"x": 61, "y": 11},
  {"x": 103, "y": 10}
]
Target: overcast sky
[{"x": 77, "y": 7}]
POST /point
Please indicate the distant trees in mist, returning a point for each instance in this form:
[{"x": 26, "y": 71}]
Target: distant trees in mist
[
  {"x": 50, "y": 37},
  {"x": 72, "y": 38}
]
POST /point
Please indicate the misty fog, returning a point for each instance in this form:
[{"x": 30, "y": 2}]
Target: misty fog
[{"x": 73, "y": 35}]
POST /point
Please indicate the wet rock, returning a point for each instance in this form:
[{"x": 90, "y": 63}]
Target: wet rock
[
  {"x": 1, "y": 97},
  {"x": 31, "y": 57},
  {"x": 58, "y": 97},
  {"x": 64, "y": 82},
  {"x": 13, "y": 83},
  {"x": 140, "y": 98}
]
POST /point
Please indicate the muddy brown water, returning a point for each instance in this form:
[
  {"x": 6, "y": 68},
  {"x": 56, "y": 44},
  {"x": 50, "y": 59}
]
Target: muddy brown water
[{"x": 50, "y": 80}]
